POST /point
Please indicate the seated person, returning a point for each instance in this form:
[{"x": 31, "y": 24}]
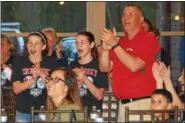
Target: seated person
[
  {"x": 161, "y": 100},
  {"x": 62, "y": 90},
  {"x": 162, "y": 74}
]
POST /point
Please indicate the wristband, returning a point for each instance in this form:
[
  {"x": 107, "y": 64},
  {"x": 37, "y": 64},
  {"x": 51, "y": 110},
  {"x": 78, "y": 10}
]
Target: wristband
[{"x": 116, "y": 45}]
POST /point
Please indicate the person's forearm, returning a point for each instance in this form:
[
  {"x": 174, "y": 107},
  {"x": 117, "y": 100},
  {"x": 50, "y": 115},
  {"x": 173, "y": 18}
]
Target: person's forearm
[
  {"x": 159, "y": 84},
  {"x": 131, "y": 62},
  {"x": 80, "y": 85},
  {"x": 96, "y": 92},
  {"x": 21, "y": 86},
  {"x": 104, "y": 61},
  {"x": 50, "y": 51},
  {"x": 171, "y": 89}
]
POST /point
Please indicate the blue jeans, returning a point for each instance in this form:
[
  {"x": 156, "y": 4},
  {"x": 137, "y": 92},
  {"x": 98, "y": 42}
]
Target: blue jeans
[{"x": 23, "y": 117}]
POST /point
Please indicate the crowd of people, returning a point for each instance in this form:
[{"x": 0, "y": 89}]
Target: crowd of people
[{"x": 43, "y": 77}]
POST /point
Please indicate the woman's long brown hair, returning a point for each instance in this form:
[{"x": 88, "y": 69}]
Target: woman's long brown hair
[{"x": 72, "y": 96}]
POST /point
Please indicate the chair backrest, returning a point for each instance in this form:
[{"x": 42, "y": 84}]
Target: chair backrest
[
  {"x": 71, "y": 113},
  {"x": 8, "y": 102},
  {"x": 182, "y": 115},
  {"x": 110, "y": 107},
  {"x": 142, "y": 113}
]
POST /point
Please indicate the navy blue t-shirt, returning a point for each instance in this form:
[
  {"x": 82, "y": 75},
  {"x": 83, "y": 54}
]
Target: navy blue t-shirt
[
  {"x": 36, "y": 94},
  {"x": 98, "y": 78}
]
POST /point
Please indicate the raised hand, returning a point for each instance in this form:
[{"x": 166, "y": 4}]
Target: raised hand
[
  {"x": 156, "y": 73},
  {"x": 58, "y": 50},
  {"x": 109, "y": 37},
  {"x": 106, "y": 46},
  {"x": 165, "y": 72},
  {"x": 38, "y": 72},
  {"x": 34, "y": 75},
  {"x": 81, "y": 74},
  {"x": 80, "y": 84}
]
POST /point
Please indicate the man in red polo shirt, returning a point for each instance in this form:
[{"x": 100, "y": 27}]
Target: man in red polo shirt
[{"x": 130, "y": 59}]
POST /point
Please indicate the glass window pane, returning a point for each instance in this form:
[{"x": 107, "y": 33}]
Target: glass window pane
[
  {"x": 114, "y": 12},
  {"x": 62, "y": 16},
  {"x": 167, "y": 16},
  {"x": 170, "y": 16}
]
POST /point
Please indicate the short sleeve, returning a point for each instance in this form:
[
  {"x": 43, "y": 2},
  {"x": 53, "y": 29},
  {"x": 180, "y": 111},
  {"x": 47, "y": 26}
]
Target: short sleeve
[
  {"x": 102, "y": 80},
  {"x": 16, "y": 70},
  {"x": 147, "y": 48}
]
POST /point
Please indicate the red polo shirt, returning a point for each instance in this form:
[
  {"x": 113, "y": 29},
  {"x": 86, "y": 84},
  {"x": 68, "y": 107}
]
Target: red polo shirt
[{"x": 127, "y": 84}]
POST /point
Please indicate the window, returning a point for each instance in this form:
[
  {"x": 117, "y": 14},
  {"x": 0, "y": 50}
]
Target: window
[
  {"x": 114, "y": 12},
  {"x": 32, "y": 16}
]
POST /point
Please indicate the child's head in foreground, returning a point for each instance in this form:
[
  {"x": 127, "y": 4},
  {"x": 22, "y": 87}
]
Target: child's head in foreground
[{"x": 161, "y": 100}]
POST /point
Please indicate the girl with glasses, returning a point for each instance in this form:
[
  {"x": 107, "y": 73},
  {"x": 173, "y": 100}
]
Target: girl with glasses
[
  {"x": 62, "y": 90},
  {"x": 91, "y": 81}
]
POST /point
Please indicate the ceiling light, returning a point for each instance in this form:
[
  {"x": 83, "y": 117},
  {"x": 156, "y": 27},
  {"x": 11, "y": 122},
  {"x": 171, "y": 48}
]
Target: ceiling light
[{"x": 61, "y": 3}]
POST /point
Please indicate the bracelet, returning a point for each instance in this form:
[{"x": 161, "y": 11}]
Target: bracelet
[{"x": 116, "y": 45}]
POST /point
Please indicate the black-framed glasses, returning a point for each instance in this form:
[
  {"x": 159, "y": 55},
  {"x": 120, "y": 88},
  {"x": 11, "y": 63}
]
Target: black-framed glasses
[{"x": 55, "y": 80}]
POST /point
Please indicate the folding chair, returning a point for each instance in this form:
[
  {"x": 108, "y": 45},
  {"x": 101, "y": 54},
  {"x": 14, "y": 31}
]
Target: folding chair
[
  {"x": 8, "y": 102},
  {"x": 181, "y": 117},
  {"x": 142, "y": 113},
  {"x": 110, "y": 107},
  {"x": 72, "y": 114}
]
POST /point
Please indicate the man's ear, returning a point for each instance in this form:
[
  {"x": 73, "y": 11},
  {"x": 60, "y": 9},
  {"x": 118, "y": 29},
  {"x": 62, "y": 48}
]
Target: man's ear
[
  {"x": 170, "y": 106},
  {"x": 92, "y": 44},
  {"x": 141, "y": 19},
  {"x": 44, "y": 47}
]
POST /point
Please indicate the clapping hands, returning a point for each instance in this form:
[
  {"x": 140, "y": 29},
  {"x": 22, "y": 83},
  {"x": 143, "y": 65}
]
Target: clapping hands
[
  {"x": 161, "y": 73},
  {"x": 81, "y": 74},
  {"x": 38, "y": 72},
  {"x": 165, "y": 72},
  {"x": 59, "y": 49},
  {"x": 156, "y": 72},
  {"x": 109, "y": 38}
]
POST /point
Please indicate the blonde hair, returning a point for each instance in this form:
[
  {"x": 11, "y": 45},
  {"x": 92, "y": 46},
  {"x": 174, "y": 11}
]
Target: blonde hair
[
  {"x": 50, "y": 30},
  {"x": 5, "y": 38}
]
